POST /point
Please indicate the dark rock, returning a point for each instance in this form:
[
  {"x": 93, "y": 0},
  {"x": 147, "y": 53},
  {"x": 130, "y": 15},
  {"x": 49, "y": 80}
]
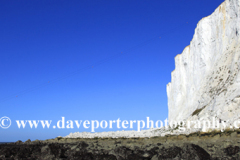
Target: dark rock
[{"x": 211, "y": 146}]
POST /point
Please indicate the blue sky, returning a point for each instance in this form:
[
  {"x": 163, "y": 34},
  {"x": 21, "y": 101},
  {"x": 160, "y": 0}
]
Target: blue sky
[{"x": 48, "y": 48}]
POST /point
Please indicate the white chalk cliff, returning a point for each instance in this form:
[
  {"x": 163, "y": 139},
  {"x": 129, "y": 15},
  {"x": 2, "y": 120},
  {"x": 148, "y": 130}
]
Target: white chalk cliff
[{"x": 206, "y": 79}]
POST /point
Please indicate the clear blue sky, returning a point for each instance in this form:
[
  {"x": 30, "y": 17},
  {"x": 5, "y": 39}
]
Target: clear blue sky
[{"x": 42, "y": 40}]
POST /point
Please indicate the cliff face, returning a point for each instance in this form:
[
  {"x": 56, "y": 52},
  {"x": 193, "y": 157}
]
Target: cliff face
[{"x": 206, "y": 78}]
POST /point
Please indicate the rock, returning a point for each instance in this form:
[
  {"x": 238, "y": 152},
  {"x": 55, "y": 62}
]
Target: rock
[
  {"x": 18, "y": 142},
  {"x": 194, "y": 146},
  {"x": 155, "y": 157},
  {"x": 36, "y": 142},
  {"x": 27, "y": 141}
]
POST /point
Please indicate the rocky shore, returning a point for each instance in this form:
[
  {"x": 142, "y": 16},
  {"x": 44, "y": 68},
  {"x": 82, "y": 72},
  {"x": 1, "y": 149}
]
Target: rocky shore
[
  {"x": 205, "y": 84},
  {"x": 196, "y": 146}
]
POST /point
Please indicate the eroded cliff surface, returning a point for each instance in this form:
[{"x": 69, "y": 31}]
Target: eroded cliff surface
[{"x": 206, "y": 78}]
